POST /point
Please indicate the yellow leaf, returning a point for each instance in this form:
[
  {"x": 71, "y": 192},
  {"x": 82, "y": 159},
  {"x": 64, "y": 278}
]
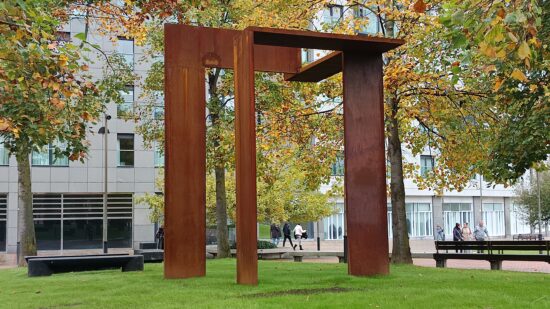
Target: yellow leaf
[
  {"x": 524, "y": 51},
  {"x": 501, "y": 54},
  {"x": 498, "y": 83},
  {"x": 517, "y": 74},
  {"x": 41, "y": 131}
]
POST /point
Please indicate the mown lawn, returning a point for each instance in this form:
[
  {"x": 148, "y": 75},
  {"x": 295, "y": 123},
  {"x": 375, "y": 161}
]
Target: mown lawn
[{"x": 282, "y": 285}]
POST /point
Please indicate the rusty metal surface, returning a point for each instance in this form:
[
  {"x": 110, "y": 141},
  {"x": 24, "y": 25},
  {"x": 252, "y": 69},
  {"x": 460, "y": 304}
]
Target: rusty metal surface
[
  {"x": 321, "y": 40},
  {"x": 245, "y": 163},
  {"x": 365, "y": 170},
  {"x": 214, "y": 48},
  {"x": 318, "y": 70},
  {"x": 188, "y": 50},
  {"x": 185, "y": 165}
]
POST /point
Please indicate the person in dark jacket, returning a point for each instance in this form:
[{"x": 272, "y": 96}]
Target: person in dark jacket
[
  {"x": 286, "y": 232},
  {"x": 160, "y": 237},
  {"x": 275, "y": 234},
  {"x": 457, "y": 234}
]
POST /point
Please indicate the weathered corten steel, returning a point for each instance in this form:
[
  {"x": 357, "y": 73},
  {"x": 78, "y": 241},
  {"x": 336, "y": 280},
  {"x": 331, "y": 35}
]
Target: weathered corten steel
[
  {"x": 188, "y": 50},
  {"x": 365, "y": 169},
  {"x": 245, "y": 163}
]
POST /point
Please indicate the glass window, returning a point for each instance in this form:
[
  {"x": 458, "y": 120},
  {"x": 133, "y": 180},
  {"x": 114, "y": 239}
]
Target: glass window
[
  {"x": 338, "y": 166},
  {"x": 334, "y": 225},
  {"x": 373, "y": 24},
  {"x": 127, "y": 107},
  {"x": 518, "y": 221},
  {"x": 47, "y": 156},
  {"x": 48, "y": 234},
  {"x": 4, "y": 155},
  {"x": 125, "y": 149},
  {"x": 333, "y": 14},
  {"x": 3, "y": 219},
  {"x": 119, "y": 233},
  {"x": 82, "y": 234},
  {"x": 125, "y": 47},
  {"x": 419, "y": 219},
  {"x": 79, "y": 217},
  {"x": 426, "y": 165},
  {"x": 456, "y": 213},
  {"x": 493, "y": 216},
  {"x": 159, "y": 156}
]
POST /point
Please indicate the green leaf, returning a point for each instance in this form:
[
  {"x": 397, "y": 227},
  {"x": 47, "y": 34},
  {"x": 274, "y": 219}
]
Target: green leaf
[
  {"x": 81, "y": 36},
  {"x": 459, "y": 40}
]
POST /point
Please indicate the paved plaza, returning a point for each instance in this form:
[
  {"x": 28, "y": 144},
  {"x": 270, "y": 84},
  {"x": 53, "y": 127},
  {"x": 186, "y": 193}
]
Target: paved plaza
[{"x": 417, "y": 246}]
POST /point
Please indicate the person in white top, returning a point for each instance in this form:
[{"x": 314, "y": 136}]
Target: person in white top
[{"x": 298, "y": 231}]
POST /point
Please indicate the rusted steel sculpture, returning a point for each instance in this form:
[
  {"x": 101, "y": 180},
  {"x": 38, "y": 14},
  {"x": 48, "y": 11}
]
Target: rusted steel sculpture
[{"x": 188, "y": 51}]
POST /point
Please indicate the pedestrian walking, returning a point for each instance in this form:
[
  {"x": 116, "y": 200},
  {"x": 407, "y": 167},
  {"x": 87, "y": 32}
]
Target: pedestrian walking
[
  {"x": 457, "y": 234},
  {"x": 275, "y": 234},
  {"x": 286, "y": 232},
  {"x": 480, "y": 233},
  {"x": 439, "y": 233},
  {"x": 298, "y": 231}
]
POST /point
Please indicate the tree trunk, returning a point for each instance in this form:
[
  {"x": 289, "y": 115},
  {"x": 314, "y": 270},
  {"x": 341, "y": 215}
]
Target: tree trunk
[
  {"x": 401, "y": 252},
  {"x": 221, "y": 214},
  {"x": 215, "y": 107},
  {"x": 25, "y": 223}
]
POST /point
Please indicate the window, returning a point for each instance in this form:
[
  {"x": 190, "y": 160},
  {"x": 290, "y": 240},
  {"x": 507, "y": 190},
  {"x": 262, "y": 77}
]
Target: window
[
  {"x": 75, "y": 221},
  {"x": 159, "y": 155},
  {"x": 3, "y": 220},
  {"x": 419, "y": 219},
  {"x": 158, "y": 109},
  {"x": 518, "y": 221},
  {"x": 4, "y": 154},
  {"x": 127, "y": 107},
  {"x": 47, "y": 156},
  {"x": 333, "y": 14},
  {"x": 334, "y": 225},
  {"x": 125, "y": 48},
  {"x": 373, "y": 24},
  {"x": 338, "y": 166},
  {"x": 456, "y": 213},
  {"x": 493, "y": 216},
  {"x": 125, "y": 149},
  {"x": 426, "y": 165}
]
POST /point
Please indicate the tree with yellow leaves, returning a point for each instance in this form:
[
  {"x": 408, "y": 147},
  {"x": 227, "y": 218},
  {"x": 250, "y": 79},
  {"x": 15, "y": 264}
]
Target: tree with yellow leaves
[{"x": 45, "y": 95}]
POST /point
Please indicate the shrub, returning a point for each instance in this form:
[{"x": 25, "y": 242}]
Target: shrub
[{"x": 262, "y": 244}]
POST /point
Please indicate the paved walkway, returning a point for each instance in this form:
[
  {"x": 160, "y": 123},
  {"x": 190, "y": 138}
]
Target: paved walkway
[{"x": 417, "y": 246}]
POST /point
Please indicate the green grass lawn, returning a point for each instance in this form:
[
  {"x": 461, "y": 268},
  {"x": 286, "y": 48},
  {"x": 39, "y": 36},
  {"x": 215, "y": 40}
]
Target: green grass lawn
[{"x": 282, "y": 285}]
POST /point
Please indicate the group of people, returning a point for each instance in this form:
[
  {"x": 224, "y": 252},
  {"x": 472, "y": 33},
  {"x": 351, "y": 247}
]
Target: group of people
[
  {"x": 463, "y": 232},
  {"x": 299, "y": 234}
]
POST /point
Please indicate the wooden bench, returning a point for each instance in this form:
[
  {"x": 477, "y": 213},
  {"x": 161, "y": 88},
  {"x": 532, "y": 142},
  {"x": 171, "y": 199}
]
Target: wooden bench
[
  {"x": 299, "y": 255},
  {"x": 47, "y": 265},
  {"x": 525, "y": 237},
  {"x": 263, "y": 254},
  {"x": 491, "y": 251}
]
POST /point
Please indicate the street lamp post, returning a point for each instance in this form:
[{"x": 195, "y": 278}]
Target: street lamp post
[
  {"x": 540, "y": 212},
  {"x": 105, "y": 131}
]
